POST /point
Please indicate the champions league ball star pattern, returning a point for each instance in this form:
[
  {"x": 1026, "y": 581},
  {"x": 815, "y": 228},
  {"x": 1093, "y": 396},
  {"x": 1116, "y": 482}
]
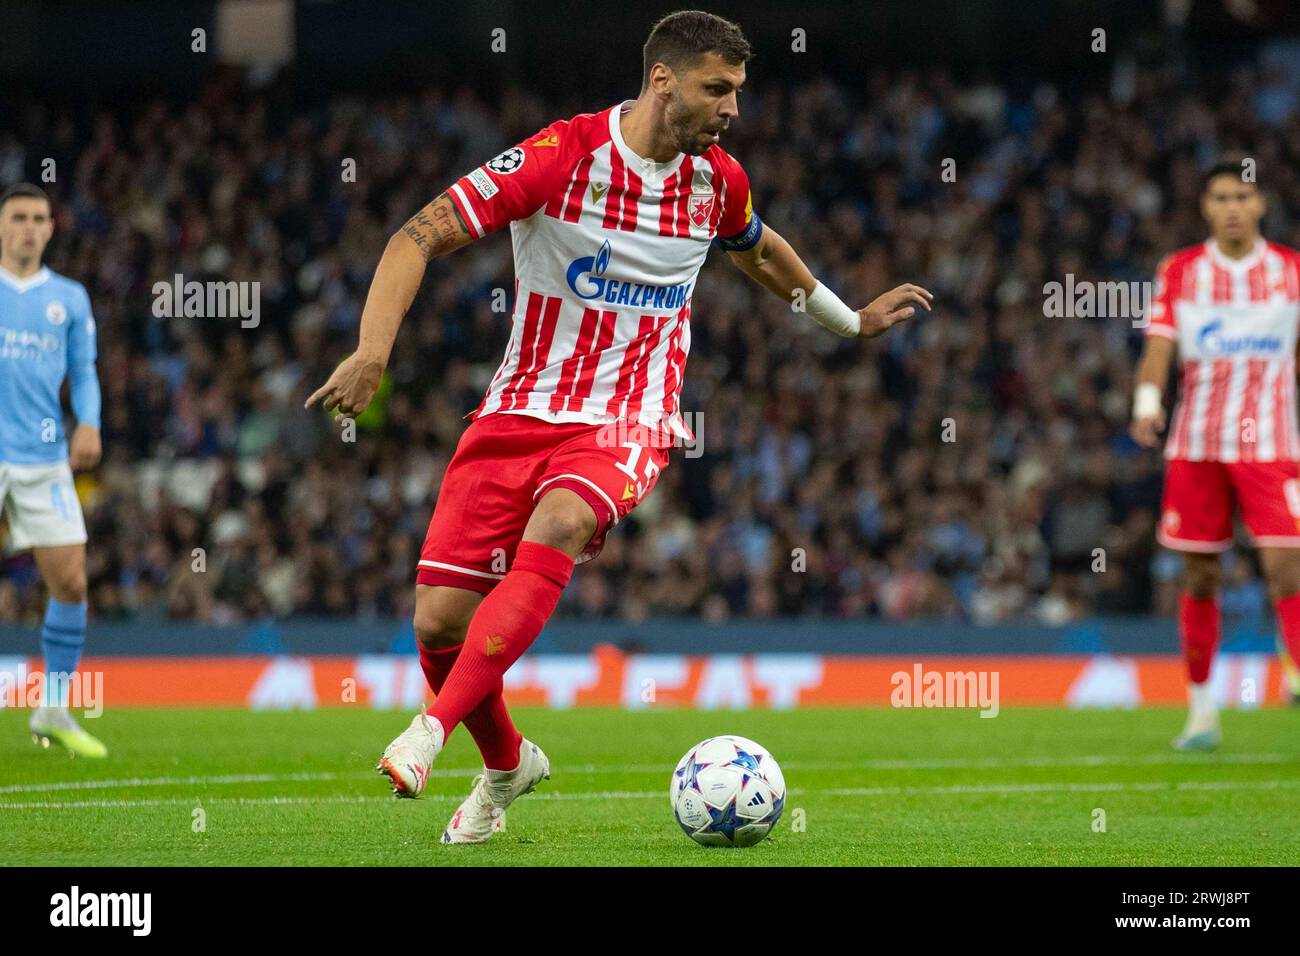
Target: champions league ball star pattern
[{"x": 727, "y": 791}]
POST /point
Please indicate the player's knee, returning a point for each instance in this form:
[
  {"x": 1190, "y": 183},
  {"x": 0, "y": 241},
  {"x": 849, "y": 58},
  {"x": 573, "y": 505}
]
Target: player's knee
[
  {"x": 1202, "y": 575},
  {"x": 1283, "y": 576},
  {"x": 68, "y": 587},
  {"x": 72, "y": 594},
  {"x": 563, "y": 520},
  {"x": 436, "y": 629}
]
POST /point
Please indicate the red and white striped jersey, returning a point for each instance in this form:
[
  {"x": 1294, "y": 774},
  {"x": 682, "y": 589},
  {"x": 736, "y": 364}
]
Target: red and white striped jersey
[
  {"x": 607, "y": 248},
  {"x": 1235, "y": 323}
]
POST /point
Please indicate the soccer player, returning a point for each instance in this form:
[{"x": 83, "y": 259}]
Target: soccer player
[
  {"x": 611, "y": 216},
  {"x": 47, "y": 332},
  {"x": 1229, "y": 308}
]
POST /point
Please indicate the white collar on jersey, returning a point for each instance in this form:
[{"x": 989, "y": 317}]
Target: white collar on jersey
[
  {"x": 1248, "y": 262},
  {"x": 22, "y": 285},
  {"x": 645, "y": 168}
]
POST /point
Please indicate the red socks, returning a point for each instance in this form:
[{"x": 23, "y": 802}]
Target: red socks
[
  {"x": 489, "y": 723},
  {"x": 1198, "y": 626},
  {"x": 503, "y": 627},
  {"x": 1288, "y": 622}
]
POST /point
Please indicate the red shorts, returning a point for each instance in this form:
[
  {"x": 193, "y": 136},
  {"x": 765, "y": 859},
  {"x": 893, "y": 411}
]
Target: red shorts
[
  {"x": 502, "y": 465},
  {"x": 1197, "y": 511}
]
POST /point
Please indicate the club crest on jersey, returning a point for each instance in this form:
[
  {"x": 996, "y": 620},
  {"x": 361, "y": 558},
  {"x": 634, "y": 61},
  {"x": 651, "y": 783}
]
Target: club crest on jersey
[
  {"x": 699, "y": 208},
  {"x": 508, "y": 162},
  {"x": 56, "y": 313},
  {"x": 586, "y": 277},
  {"x": 700, "y": 205}
]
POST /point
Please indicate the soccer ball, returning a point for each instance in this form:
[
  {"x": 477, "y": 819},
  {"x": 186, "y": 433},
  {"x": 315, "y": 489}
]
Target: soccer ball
[{"x": 727, "y": 791}]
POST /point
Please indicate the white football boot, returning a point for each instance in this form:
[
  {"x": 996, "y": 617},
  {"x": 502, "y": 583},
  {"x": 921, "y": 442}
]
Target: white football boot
[
  {"x": 55, "y": 725},
  {"x": 407, "y": 760},
  {"x": 484, "y": 811},
  {"x": 1202, "y": 731}
]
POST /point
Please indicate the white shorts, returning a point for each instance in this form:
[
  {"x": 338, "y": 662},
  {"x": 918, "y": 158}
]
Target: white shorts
[{"x": 41, "y": 505}]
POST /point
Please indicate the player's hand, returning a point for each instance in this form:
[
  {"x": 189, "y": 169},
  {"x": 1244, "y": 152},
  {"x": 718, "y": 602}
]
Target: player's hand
[
  {"x": 351, "y": 387},
  {"x": 84, "y": 450},
  {"x": 892, "y": 307},
  {"x": 1146, "y": 431}
]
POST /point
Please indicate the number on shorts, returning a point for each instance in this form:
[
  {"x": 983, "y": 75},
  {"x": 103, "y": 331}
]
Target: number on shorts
[
  {"x": 629, "y": 467},
  {"x": 1291, "y": 489}
]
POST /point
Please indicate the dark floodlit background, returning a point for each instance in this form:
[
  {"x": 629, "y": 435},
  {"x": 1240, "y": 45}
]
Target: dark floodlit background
[{"x": 227, "y": 165}]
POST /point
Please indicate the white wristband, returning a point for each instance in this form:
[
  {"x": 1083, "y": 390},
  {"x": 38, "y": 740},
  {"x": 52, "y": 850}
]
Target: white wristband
[
  {"x": 829, "y": 311},
  {"x": 1146, "y": 401}
]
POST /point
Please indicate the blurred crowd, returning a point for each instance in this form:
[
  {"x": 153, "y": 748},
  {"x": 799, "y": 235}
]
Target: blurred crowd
[{"x": 972, "y": 464}]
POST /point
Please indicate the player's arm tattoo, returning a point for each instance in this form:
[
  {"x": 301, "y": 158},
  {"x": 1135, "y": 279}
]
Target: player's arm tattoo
[{"x": 438, "y": 228}]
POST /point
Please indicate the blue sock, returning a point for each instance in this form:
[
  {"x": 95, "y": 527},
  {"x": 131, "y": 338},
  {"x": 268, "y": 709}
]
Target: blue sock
[{"x": 62, "y": 637}]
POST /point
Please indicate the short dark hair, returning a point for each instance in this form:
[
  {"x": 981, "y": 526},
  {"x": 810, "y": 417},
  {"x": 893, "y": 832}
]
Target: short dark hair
[
  {"x": 681, "y": 38},
  {"x": 1226, "y": 166},
  {"x": 25, "y": 191}
]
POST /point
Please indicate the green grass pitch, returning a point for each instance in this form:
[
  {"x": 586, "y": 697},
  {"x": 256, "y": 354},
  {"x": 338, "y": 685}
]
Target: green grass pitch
[{"x": 881, "y": 786}]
